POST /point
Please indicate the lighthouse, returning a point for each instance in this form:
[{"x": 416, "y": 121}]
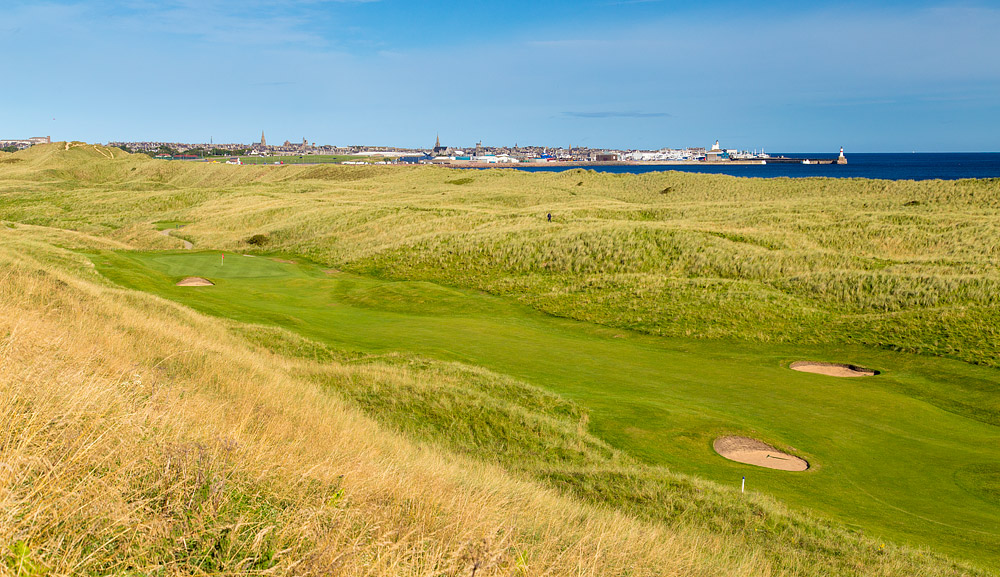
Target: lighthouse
[{"x": 841, "y": 159}]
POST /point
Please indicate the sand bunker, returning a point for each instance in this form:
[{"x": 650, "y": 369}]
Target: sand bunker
[
  {"x": 832, "y": 369},
  {"x": 754, "y": 452},
  {"x": 283, "y": 260},
  {"x": 195, "y": 281}
]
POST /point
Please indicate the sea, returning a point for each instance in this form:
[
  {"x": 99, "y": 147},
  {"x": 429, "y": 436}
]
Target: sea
[{"x": 888, "y": 166}]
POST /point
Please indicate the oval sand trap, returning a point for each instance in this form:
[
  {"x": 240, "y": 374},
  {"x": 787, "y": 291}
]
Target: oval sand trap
[
  {"x": 754, "y": 452},
  {"x": 195, "y": 281},
  {"x": 832, "y": 369}
]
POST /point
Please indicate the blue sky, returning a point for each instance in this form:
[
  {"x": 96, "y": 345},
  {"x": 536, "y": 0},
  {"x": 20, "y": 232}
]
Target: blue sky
[{"x": 785, "y": 76}]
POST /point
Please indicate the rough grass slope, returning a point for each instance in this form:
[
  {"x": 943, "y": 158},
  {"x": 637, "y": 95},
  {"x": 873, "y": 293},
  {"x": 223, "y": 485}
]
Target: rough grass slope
[{"x": 138, "y": 436}]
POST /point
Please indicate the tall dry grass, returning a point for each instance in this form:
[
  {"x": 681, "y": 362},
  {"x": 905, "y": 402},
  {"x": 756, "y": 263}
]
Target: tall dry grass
[{"x": 139, "y": 438}]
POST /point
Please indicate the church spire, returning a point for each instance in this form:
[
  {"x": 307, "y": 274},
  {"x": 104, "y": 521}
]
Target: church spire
[
  {"x": 437, "y": 143},
  {"x": 263, "y": 142}
]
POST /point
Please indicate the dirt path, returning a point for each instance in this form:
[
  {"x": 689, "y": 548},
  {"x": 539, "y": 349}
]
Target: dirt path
[
  {"x": 187, "y": 244},
  {"x": 105, "y": 154}
]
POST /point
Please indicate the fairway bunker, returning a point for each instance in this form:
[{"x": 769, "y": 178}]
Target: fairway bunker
[
  {"x": 753, "y": 452},
  {"x": 832, "y": 369},
  {"x": 195, "y": 281}
]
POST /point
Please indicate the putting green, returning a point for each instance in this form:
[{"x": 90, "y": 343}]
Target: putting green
[
  {"x": 908, "y": 455},
  {"x": 169, "y": 224}
]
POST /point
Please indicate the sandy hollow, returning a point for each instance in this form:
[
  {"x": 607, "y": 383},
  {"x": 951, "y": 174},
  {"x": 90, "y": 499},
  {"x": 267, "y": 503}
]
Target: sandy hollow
[
  {"x": 754, "y": 452},
  {"x": 195, "y": 281},
  {"x": 832, "y": 369}
]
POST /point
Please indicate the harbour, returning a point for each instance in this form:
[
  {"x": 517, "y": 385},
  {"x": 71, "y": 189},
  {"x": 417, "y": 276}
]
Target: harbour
[{"x": 879, "y": 166}]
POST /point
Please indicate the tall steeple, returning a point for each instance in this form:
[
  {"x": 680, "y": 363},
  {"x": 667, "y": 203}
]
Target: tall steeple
[
  {"x": 437, "y": 143},
  {"x": 263, "y": 142}
]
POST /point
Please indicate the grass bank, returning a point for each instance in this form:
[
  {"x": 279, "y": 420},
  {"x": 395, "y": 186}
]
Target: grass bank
[
  {"x": 139, "y": 437},
  {"x": 884, "y": 451},
  {"x": 713, "y": 285}
]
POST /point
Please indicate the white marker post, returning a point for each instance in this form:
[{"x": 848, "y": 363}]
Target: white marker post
[{"x": 743, "y": 487}]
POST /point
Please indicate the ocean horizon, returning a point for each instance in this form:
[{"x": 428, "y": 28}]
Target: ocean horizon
[{"x": 875, "y": 165}]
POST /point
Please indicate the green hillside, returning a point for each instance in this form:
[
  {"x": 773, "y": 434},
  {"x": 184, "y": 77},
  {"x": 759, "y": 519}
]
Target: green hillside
[{"x": 597, "y": 356}]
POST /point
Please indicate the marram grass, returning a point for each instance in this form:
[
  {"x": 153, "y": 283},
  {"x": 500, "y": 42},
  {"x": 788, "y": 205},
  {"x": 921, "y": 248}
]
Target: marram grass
[
  {"x": 816, "y": 260},
  {"x": 141, "y": 437}
]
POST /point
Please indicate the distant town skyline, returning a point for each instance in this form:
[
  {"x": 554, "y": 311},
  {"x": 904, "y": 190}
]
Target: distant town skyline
[{"x": 627, "y": 74}]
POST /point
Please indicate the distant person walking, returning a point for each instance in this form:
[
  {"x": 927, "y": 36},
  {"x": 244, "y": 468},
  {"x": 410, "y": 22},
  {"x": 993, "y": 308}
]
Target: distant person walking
[{"x": 549, "y": 216}]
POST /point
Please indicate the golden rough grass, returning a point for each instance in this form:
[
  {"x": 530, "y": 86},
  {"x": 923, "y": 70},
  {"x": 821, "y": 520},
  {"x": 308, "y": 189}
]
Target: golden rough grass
[{"x": 137, "y": 436}]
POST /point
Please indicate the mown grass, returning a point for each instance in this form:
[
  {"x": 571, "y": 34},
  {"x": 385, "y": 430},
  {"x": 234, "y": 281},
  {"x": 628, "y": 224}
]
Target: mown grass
[
  {"x": 876, "y": 452},
  {"x": 140, "y": 438},
  {"x": 846, "y": 268},
  {"x": 811, "y": 260},
  {"x": 169, "y": 224}
]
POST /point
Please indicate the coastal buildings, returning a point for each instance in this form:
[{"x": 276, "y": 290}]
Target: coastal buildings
[
  {"x": 716, "y": 154},
  {"x": 480, "y": 154},
  {"x": 662, "y": 155},
  {"x": 22, "y": 143}
]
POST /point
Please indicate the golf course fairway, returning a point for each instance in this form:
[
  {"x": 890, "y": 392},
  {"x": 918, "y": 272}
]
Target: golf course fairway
[{"x": 907, "y": 455}]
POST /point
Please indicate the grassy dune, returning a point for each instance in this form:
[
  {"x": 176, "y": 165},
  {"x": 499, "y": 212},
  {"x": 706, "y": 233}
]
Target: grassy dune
[
  {"x": 900, "y": 265},
  {"x": 358, "y": 429},
  {"x": 663, "y": 400},
  {"x": 140, "y": 438}
]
